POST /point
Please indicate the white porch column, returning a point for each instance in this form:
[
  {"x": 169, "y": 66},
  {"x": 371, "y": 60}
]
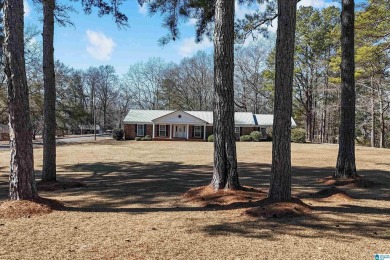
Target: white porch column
[
  {"x": 204, "y": 132},
  {"x": 187, "y": 130},
  {"x": 170, "y": 131},
  {"x": 153, "y": 130}
]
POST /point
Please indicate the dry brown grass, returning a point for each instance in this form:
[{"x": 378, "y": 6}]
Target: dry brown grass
[
  {"x": 59, "y": 185},
  {"x": 132, "y": 206}
]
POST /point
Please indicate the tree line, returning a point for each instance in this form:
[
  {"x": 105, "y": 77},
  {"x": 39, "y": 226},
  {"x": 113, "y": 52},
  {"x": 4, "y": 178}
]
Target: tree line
[
  {"x": 187, "y": 85},
  {"x": 312, "y": 68}
]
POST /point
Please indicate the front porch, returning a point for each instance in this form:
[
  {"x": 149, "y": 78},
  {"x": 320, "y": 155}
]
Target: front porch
[
  {"x": 179, "y": 125},
  {"x": 178, "y": 139},
  {"x": 179, "y": 132}
]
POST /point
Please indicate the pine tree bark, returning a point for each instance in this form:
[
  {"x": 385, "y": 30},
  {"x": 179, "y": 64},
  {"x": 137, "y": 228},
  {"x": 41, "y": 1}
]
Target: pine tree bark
[
  {"x": 49, "y": 129},
  {"x": 372, "y": 115},
  {"x": 382, "y": 139},
  {"x": 225, "y": 173},
  {"x": 346, "y": 167},
  {"x": 21, "y": 179},
  {"x": 280, "y": 187}
]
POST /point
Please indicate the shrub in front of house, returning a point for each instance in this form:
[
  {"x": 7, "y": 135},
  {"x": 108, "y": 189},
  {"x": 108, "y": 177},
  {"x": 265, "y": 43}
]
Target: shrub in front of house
[
  {"x": 118, "y": 134},
  {"x": 210, "y": 138},
  {"x": 147, "y": 138},
  {"x": 256, "y": 136},
  {"x": 138, "y": 138},
  {"x": 298, "y": 135},
  {"x": 245, "y": 138}
]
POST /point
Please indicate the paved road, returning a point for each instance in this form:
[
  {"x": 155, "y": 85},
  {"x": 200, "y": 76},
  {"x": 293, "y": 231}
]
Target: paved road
[
  {"x": 84, "y": 138},
  {"x": 64, "y": 140}
]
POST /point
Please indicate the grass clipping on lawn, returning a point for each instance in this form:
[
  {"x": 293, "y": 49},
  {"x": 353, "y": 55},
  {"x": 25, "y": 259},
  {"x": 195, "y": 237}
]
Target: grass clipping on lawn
[{"x": 26, "y": 208}]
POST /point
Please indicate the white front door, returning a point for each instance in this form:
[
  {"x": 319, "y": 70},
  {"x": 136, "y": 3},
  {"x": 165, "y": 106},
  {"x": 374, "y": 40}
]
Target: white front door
[{"x": 180, "y": 131}]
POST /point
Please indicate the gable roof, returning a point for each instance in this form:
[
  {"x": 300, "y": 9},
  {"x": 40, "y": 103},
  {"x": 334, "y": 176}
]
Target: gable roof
[
  {"x": 144, "y": 116},
  {"x": 182, "y": 115},
  {"x": 240, "y": 118}
]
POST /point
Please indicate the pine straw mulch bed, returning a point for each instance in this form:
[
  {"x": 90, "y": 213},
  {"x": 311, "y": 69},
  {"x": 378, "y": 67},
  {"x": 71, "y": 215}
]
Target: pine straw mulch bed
[
  {"x": 13, "y": 209},
  {"x": 206, "y": 196},
  {"x": 270, "y": 209},
  {"x": 252, "y": 200},
  {"x": 333, "y": 194},
  {"x": 357, "y": 182}
]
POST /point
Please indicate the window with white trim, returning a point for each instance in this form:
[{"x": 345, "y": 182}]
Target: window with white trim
[
  {"x": 140, "y": 130},
  {"x": 198, "y": 131},
  {"x": 162, "y": 130}
]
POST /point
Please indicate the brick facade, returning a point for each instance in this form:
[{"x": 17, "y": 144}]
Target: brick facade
[
  {"x": 4, "y": 136},
  {"x": 209, "y": 131},
  {"x": 248, "y": 130},
  {"x": 131, "y": 131},
  {"x": 157, "y": 131},
  {"x": 149, "y": 130},
  {"x": 191, "y": 133}
]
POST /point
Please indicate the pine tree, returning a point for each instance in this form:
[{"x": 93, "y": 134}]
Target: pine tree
[{"x": 346, "y": 167}]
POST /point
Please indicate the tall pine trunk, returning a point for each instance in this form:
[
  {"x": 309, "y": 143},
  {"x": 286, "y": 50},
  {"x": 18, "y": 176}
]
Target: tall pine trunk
[
  {"x": 21, "y": 179},
  {"x": 280, "y": 187},
  {"x": 225, "y": 173},
  {"x": 382, "y": 139},
  {"x": 346, "y": 166},
  {"x": 49, "y": 129},
  {"x": 372, "y": 114}
]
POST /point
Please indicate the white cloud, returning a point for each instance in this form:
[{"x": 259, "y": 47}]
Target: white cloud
[
  {"x": 99, "y": 45},
  {"x": 189, "y": 46},
  {"x": 143, "y": 9},
  {"x": 317, "y": 3},
  {"x": 191, "y": 22},
  {"x": 27, "y": 9},
  {"x": 32, "y": 41},
  {"x": 242, "y": 10}
]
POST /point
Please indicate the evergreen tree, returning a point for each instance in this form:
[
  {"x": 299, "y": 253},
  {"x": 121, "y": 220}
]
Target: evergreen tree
[
  {"x": 22, "y": 182},
  {"x": 346, "y": 166},
  {"x": 280, "y": 186}
]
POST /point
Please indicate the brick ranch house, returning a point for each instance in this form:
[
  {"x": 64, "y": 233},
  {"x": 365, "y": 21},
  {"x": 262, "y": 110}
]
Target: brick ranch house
[{"x": 189, "y": 125}]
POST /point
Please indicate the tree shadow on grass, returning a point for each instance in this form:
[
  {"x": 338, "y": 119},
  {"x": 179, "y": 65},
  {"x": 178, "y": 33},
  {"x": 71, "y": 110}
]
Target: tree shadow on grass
[
  {"x": 119, "y": 184},
  {"x": 314, "y": 226},
  {"x": 125, "y": 183},
  {"x": 142, "y": 188}
]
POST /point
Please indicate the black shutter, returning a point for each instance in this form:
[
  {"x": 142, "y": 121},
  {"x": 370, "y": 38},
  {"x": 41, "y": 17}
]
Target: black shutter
[
  {"x": 136, "y": 129},
  {"x": 202, "y": 132},
  {"x": 144, "y": 129},
  {"x": 193, "y": 131},
  {"x": 157, "y": 129}
]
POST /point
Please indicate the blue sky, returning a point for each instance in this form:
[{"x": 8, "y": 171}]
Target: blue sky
[{"x": 97, "y": 40}]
